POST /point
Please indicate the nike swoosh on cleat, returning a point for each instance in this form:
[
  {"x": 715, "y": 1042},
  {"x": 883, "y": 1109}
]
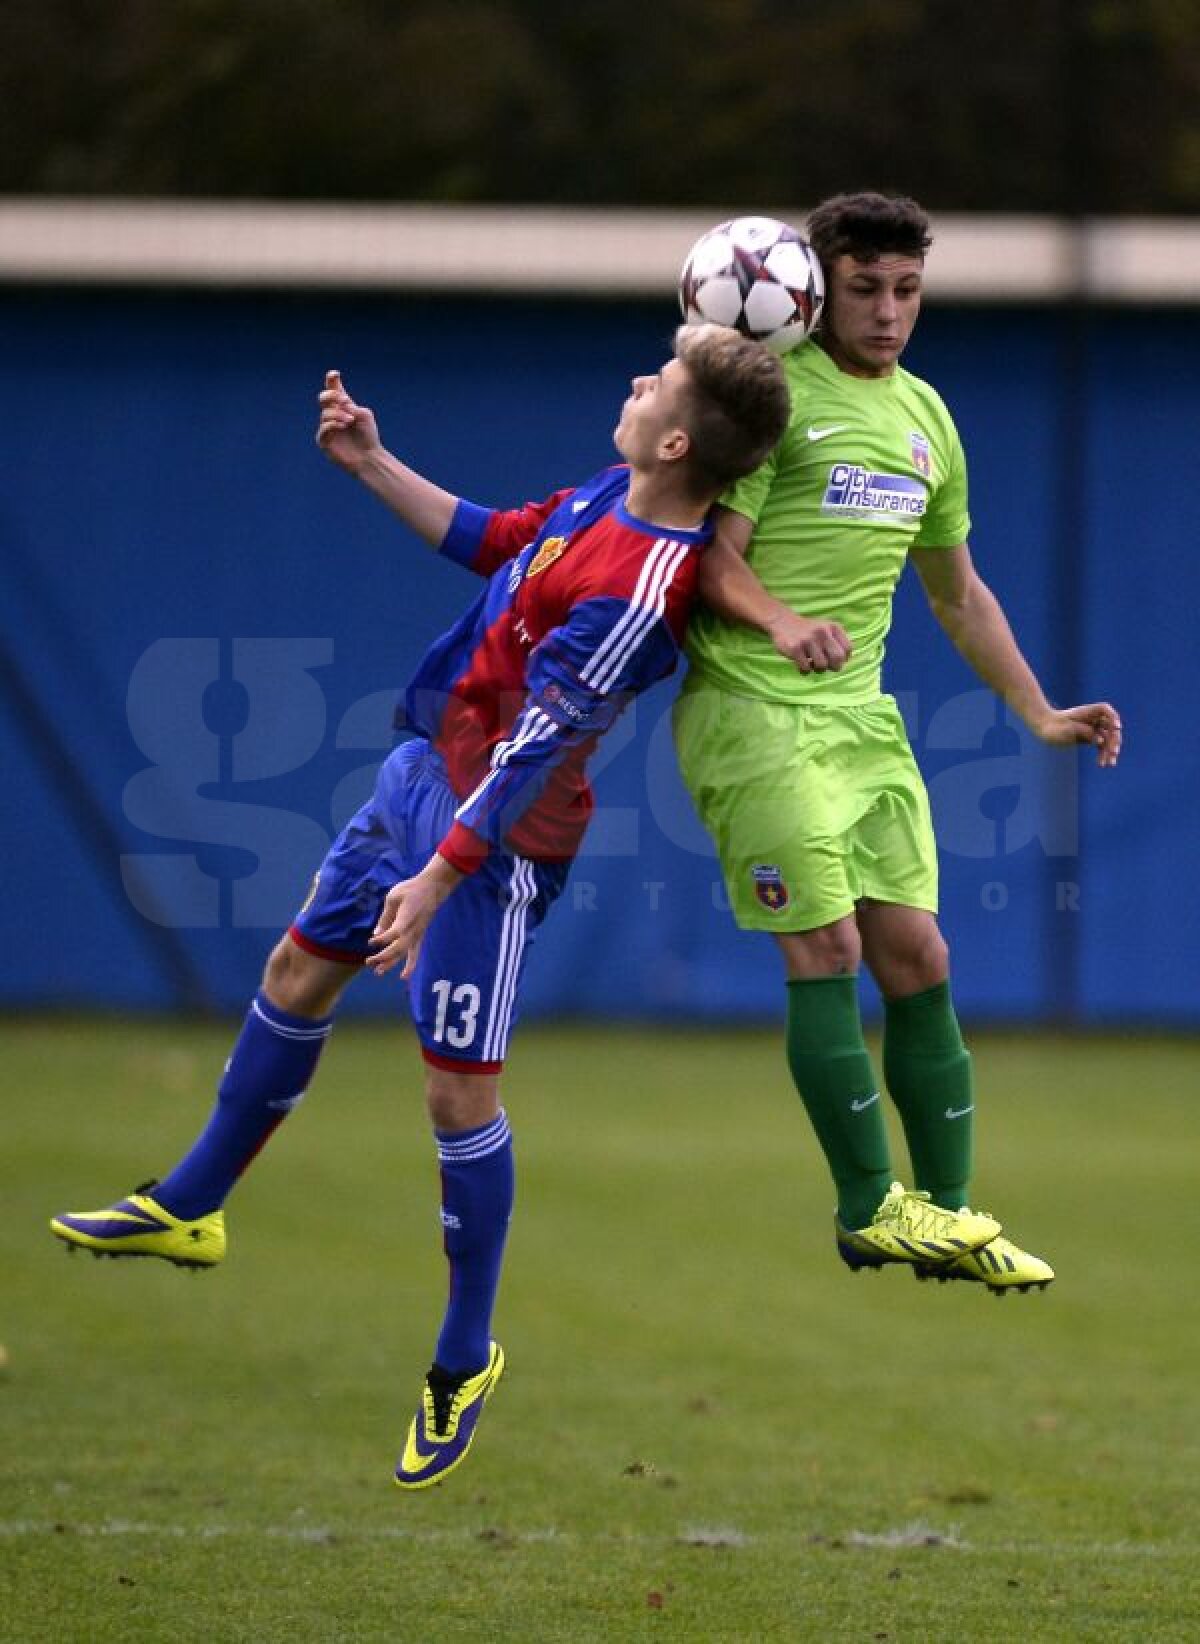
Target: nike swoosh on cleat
[
  {"x": 415, "y": 1459},
  {"x": 959, "y": 1112},
  {"x": 816, "y": 434},
  {"x": 857, "y": 1107}
]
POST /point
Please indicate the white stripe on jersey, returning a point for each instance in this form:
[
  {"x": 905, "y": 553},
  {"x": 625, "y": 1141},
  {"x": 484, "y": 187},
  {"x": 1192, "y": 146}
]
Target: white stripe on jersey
[
  {"x": 522, "y": 890},
  {"x": 637, "y": 600},
  {"x": 604, "y": 668},
  {"x": 538, "y": 726}
]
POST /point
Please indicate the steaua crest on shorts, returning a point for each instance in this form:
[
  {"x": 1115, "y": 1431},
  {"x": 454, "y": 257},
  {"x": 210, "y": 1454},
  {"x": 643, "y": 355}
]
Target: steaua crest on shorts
[
  {"x": 553, "y": 548},
  {"x": 769, "y": 886}
]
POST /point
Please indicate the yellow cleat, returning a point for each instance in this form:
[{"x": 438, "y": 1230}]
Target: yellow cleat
[
  {"x": 1001, "y": 1265},
  {"x": 138, "y": 1226},
  {"x": 444, "y": 1426},
  {"x": 909, "y": 1227}
]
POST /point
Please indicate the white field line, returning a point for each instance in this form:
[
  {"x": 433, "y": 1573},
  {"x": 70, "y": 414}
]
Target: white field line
[{"x": 914, "y": 1535}]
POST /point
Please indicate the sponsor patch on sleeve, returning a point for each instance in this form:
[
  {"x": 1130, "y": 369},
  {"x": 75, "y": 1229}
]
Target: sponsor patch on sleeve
[{"x": 581, "y": 711}]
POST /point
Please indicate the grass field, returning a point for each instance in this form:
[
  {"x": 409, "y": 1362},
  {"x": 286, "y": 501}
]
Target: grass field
[{"x": 709, "y": 1430}]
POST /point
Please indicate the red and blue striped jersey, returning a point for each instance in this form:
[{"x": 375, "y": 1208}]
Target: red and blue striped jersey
[{"x": 585, "y": 606}]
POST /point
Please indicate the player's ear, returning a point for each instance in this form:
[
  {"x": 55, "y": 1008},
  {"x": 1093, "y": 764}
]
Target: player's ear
[{"x": 675, "y": 445}]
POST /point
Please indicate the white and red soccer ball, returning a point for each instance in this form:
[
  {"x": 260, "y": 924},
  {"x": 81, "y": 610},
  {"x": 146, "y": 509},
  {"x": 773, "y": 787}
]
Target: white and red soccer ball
[{"x": 757, "y": 275}]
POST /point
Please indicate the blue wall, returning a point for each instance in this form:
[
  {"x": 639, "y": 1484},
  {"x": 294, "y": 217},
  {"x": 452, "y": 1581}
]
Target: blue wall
[{"x": 204, "y": 625}]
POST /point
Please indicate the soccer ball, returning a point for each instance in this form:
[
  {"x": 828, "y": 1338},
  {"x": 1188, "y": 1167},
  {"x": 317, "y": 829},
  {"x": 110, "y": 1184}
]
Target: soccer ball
[{"x": 758, "y": 276}]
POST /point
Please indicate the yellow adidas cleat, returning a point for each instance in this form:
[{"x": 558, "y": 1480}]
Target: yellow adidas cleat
[
  {"x": 138, "y": 1226},
  {"x": 1001, "y": 1265},
  {"x": 909, "y": 1227}
]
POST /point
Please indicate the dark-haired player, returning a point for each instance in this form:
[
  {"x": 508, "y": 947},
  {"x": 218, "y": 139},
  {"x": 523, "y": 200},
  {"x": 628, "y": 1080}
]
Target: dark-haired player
[
  {"x": 800, "y": 766},
  {"x": 454, "y": 862}
]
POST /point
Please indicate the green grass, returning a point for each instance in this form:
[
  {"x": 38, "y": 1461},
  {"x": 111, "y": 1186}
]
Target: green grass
[{"x": 709, "y": 1430}]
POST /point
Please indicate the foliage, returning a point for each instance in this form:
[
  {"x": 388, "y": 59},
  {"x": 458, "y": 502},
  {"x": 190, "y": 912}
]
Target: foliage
[{"x": 1040, "y": 105}]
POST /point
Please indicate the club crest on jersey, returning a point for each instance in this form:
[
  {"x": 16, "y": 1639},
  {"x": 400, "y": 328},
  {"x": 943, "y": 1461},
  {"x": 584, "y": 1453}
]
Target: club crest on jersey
[
  {"x": 553, "y": 548},
  {"x": 769, "y": 886},
  {"x": 921, "y": 455}
]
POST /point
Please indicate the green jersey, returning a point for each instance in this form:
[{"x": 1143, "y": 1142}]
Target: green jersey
[{"x": 868, "y": 468}]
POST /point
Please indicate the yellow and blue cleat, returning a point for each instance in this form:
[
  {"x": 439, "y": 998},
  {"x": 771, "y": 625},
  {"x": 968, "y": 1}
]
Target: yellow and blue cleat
[
  {"x": 909, "y": 1227},
  {"x": 445, "y": 1423},
  {"x": 1000, "y": 1265},
  {"x": 138, "y": 1226}
]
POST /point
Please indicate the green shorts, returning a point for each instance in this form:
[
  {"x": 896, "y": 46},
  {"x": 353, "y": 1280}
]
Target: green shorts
[{"x": 811, "y": 808}]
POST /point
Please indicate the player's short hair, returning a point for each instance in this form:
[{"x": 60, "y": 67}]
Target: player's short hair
[
  {"x": 868, "y": 226},
  {"x": 737, "y": 406}
]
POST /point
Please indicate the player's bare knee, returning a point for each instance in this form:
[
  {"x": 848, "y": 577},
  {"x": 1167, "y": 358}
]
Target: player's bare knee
[
  {"x": 920, "y": 960},
  {"x": 934, "y": 958},
  {"x": 300, "y": 982},
  {"x": 830, "y": 950},
  {"x": 460, "y": 1101},
  {"x": 923, "y": 961},
  {"x": 839, "y": 948}
]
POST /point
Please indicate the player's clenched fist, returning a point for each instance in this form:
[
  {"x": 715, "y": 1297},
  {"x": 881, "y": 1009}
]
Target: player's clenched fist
[
  {"x": 346, "y": 432},
  {"x": 813, "y": 645}
]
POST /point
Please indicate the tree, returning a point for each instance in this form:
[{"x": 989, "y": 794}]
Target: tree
[{"x": 1014, "y": 105}]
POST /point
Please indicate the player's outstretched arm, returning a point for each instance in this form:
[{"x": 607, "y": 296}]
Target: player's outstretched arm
[
  {"x": 728, "y": 586},
  {"x": 349, "y": 436},
  {"x": 974, "y": 620}
]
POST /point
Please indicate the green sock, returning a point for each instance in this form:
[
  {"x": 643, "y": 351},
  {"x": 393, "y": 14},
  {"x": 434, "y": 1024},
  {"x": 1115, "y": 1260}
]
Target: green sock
[
  {"x": 928, "y": 1072},
  {"x": 831, "y": 1066}
]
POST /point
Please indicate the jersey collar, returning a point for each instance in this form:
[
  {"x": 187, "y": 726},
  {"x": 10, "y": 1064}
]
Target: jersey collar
[{"x": 649, "y": 529}]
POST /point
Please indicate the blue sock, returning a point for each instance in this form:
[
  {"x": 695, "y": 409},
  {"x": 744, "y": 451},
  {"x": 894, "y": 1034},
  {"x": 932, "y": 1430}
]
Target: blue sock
[
  {"x": 477, "y": 1201},
  {"x": 270, "y": 1069}
]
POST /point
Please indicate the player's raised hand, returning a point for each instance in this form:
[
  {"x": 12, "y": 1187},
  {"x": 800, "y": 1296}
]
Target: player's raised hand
[
  {"x": 814, "y": 646},
  {"x": 346, "y": 431},
  {"x": 1097, "y": 723}
]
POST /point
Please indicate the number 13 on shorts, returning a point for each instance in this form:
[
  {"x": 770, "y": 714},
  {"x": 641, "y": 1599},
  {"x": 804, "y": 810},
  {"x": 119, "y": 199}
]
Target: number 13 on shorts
[
  {"x": 463, "y": 992},
  {"x": 456, "y": 1011}
]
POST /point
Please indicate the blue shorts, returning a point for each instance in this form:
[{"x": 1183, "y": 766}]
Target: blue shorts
[{"x": 463, "y": 991}]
